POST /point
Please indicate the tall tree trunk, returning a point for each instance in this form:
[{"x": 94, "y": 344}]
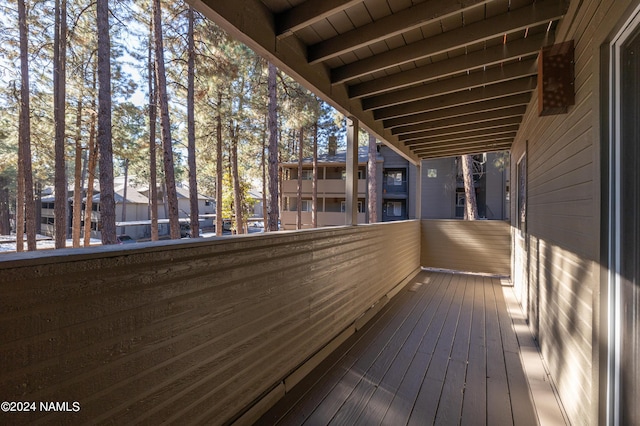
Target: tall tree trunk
[
  {"x": 59, "y": 100},
  {"x": 372, "y": 182},
  {"x": 105, "y": 145},
  {"x": 314, "y": 191},
  {"x": 164, "y": 200},
  {"x": 299, "y": 194},
  {"x": 237, "y": 188},
  {"x": 91, "y": 169},
  {"x": 38, "y": 202},
  {"x": 5, "y": 225},
  {"x": 153, "y": 101},
  {"x": 77, "y": 179},
  {"x": 124, "y": 194},
  {"x": 219, "y": 165},
  {"x": 26, "y": 204},
  {"x": 264, "y": 174},
  {"x": 20, "y": 192},
  {"x": 169, "y": 175},
  {"x": 281, "y": 179},
  {"x": 470, "y": 205},
  {"x": 91, "y": 173},
  {"x": 274, "y": 211},
  {"x": 191, "y": 131}
]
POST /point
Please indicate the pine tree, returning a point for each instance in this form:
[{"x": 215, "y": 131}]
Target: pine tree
[
  {"x": 163, "y": 99},
  {"x": 372, "y": 183},
  {"x": 274, "y": 212},
  {"x": 153, "y": 99},
  {"x": 91, "y": 168},
  {"x": 314, "y": 190},
  {"x": 105, "y": 146},
  {"x": 219, "y": 170},
  {"x": 470, "y": 204},
  {"x": 191, "y": 129},
  {"x": 25, "y": 211},
  {"x": 59, "y": 112},
  {"x": 234, "y": 131},
  {"x": 77, "y": 185},
  {"x": 299, "y": 192}
]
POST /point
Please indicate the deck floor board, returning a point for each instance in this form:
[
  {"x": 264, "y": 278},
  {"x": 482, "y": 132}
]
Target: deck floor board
[{"x": 443, "y": 351}]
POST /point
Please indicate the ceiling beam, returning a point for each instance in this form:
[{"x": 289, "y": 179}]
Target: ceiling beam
[
  {"x": 472, "y": 150},
  {"x": 389, "y": 26},
  {"x": 456, "y": 146},
  {"x": 462, "y": 128},
  {"x": 506, "y": 102},
  {"x": 490, "y": 76},
  {"x": 520, "y": 48},
  {"x": 479, "y": 94},
  {"x": 519, "y": 19},
  {"x": 465, "y": 138},
  {"x": 308, "y": 13},
  {"x": 452, "y": 122}
]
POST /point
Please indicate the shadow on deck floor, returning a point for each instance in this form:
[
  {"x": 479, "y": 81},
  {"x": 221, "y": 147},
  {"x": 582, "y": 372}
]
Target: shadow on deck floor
[{"x": 443, "y": 351}]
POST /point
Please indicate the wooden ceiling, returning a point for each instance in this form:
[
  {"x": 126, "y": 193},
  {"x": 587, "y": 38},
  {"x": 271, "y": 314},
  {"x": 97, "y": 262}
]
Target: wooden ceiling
[{"x": 432, "y": 78}]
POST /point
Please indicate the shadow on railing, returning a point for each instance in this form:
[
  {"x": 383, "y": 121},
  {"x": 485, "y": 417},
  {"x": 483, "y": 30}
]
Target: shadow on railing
[{"x": 196, "y": 331}]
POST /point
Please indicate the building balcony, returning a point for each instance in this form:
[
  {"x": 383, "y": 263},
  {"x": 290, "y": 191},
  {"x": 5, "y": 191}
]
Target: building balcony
[
  {"x": 288, "y": 219},
  {"x": 215, "y": 331},
  {"x": 326, "y": 187}
]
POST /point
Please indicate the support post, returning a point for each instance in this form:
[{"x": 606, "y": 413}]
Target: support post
[{"x": 351, "y": 184}]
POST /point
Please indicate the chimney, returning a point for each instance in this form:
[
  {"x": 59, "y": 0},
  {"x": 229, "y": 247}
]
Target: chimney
[{"x": 333, "y": 145}]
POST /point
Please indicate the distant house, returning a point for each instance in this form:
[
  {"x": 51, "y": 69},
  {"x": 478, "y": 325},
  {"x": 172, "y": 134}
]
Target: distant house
[
  {"x": 136, "y": 220},
  {"x": 443, "y": 193},
  {"x": 136, "y": 210},
  {"x": 47, "y": 218},
  {"x": 393, "y": 175},
  {"x": 206, "y": 205},
  {"x": 256, "y": 196}
]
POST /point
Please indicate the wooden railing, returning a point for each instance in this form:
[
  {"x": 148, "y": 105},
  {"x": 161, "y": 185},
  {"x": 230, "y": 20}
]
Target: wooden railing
[
  {"x": 205, "y": 331},
  {"x": 464, "y": 245}
]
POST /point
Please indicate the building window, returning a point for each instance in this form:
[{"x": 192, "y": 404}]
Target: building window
[
  {"x": 207, "y": 203},
  {"x": 394, "y": 208},
  {"x": 343, "y": 206},
  {"x": 394, "y": 178},
  {"x": 307, "y": 174},
  {"x": 360, "y": 174},
  {"x": 307, "y": 205},
  {"x": 460, "y": 201}
]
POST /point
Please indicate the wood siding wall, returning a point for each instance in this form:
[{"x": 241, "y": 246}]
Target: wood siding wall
[
  {"x": 464, "y": 245},
  {"x": 556, "y": 262},
  {"x": 186, "y": 331}
]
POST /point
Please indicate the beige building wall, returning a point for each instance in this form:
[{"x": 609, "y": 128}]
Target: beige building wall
[{"x": 556, "y": 256}]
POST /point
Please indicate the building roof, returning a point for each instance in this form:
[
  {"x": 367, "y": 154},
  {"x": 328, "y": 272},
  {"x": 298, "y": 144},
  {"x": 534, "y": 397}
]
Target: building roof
[
  {"x": 133, "y": 196},
  {"x": 339, "y": 158}
]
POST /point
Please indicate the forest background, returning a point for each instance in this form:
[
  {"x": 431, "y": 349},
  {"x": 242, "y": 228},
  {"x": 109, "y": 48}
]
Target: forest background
[{"x": 147, "y": 91}]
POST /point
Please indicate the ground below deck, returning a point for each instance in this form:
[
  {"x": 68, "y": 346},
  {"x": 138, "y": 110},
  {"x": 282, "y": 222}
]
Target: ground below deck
[{"x": 443, "y": 351}]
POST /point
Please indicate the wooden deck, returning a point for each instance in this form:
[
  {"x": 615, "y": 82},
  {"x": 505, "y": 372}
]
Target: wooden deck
[{"x": 443, "y": 351}]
